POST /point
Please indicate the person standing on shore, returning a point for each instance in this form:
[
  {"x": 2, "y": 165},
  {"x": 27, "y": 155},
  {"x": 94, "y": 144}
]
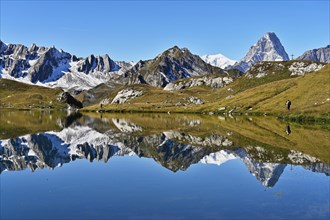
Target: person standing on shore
[{"x": 288, "y": 104}]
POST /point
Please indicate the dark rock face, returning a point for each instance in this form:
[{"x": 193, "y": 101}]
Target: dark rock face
[
  {"x": 16, "y": 62},
  {"x": 99, "y": 63},
  {"x": 3, "y": 47},
  {"x": 16, "y": 67},
  {"x": 65, "y": 97},
  {"x": 15, "y": 59},
  {"x": 173, "y": 64},
  {"x": 46, "y": 64},
  {"x": 321, "y": 55}
]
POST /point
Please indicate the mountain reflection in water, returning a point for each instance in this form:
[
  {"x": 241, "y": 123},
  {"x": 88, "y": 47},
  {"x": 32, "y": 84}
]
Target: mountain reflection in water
[{"x": 175, "y": 142}]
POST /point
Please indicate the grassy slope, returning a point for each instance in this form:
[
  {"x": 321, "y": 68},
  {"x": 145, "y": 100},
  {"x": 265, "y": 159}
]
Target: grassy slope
[
  {"x": 309, "y": 95},
  {"x": 257, "y": 95},
  {"x": 24, "y": 96}
]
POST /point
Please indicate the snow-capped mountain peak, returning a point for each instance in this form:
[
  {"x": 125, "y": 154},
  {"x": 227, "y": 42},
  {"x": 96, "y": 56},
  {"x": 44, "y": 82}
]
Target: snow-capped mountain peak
[
  {"x": 218, "y": 60},
  {"x": 53, "y": 67}
]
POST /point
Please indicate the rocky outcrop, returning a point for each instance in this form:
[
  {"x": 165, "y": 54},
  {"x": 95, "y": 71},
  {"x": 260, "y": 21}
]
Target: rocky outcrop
[
  {"x": 321, "y": 55},
  {"x": 301, "y": 68},
  {"x": 194, "y": 100},
  {"x": 126, "y": 95},
  {"x": 282, "y": 69},
  {"x": 210, "y": 81},
  {"x": 65, "y": 97}
]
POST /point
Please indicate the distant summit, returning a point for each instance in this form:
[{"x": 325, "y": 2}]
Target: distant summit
[
  {"x": 268, "y": 48},
  {"x": 218, "y": 60},
  {"x": 321, "y": 55}
]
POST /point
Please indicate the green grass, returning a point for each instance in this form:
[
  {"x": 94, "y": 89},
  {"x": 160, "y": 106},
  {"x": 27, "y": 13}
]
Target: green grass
[
  {"x": 309, "y": 95},
  {"x": 18, "y": 95}
]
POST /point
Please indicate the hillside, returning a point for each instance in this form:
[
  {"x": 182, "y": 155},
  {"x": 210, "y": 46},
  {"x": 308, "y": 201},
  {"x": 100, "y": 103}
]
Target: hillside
[
  {"x": 310, "y": 95},
  {"x": 17, "y": 95},
  {"x": 252, "y": 93},
  {"x": 264, "y": 89}
]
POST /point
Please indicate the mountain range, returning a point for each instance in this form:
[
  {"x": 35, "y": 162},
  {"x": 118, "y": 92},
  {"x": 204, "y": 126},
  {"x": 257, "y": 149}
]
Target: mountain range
[{"x": 55, "y": 68}]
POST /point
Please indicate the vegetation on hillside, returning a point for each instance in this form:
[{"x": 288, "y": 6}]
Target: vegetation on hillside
[
  {"x": 310, "y": 96},
  {"x": 17, "y": 95},
  {"x": 249, "y": 94}
]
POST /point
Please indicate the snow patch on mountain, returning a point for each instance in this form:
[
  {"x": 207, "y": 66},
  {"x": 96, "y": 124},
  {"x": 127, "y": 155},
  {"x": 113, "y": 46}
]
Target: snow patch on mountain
[
  {"x": 218, "y": 60},
  {"x": 54, "y": 68}
]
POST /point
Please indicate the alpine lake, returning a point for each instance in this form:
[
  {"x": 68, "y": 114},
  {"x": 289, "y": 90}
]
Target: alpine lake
[{"x": 55, "y": 165}]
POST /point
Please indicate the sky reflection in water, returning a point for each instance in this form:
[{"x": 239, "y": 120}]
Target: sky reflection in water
[{"x": 165, "y": 167}]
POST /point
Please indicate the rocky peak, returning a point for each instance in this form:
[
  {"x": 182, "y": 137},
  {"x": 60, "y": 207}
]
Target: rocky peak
[
  {"x": 65, "y": 97},
  {"x": 3, "y": 47},
  {"x": 56, "y": 54},
  {"x": 173, "y": 64},
  {"x": 99, "y": 64},
  {"x": 33, "y": 48},
  {"x": 17, "y": 51},
  {"x": 47, "y": 63},
  {"x": 267, "y": 48}
]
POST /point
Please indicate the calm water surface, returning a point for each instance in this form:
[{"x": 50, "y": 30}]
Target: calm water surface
[{"x": 122, "y": 166}]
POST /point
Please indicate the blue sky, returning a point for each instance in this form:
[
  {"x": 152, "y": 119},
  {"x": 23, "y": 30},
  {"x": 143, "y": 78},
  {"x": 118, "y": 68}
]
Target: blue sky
[{"x": 134, "y": 30}]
